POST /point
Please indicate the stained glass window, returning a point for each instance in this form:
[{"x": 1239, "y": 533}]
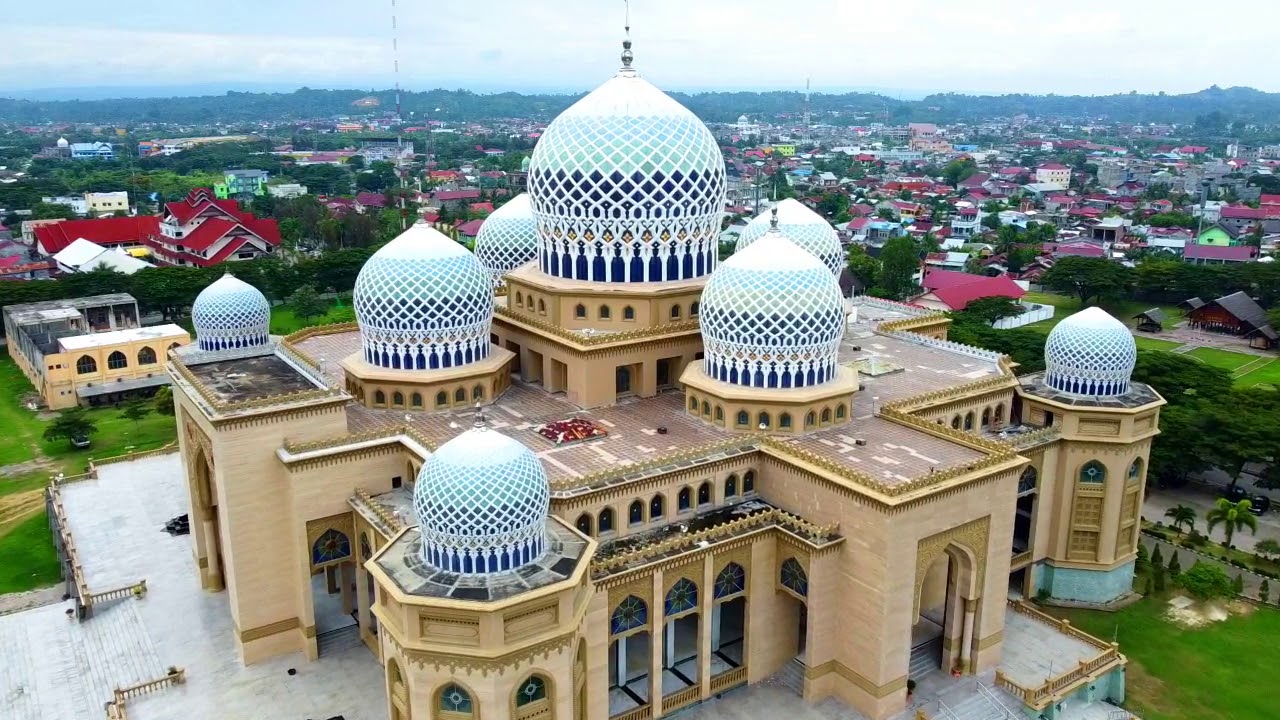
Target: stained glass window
[
  {"x": 631, "y": 613},
  {"x": 1093, "y": 472},
  {"x": 331, "y": 545},
  {"x": 732, "y": 579},
  {"x": 1027, "y": 483},
  {"x": 731, "y": 486},
  {"x": 366, "y": 552},
  {"x": 533, "y": 690},
  {"x": 794, "y": 577},
  {"x": 455, "y": 699},
  {"x": 682, "y": 596},
  {"x": 749, "y": 482},
  {"x": 1135, "y": 470}
]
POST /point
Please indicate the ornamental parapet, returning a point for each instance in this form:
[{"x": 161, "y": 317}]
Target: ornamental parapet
[{"x": 585, "y": 339}]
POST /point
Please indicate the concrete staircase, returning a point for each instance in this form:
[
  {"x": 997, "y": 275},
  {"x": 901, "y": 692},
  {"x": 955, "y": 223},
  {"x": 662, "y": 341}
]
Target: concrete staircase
[
  {"x": 791, "y": 676},
  {"x": 337, "y": 641},
  {"x": 924, "y": 659}
]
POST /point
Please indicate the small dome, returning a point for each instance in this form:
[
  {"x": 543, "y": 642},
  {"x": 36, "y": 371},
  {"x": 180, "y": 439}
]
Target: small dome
[
  {"x": 422, "y": 302},
  {"x": 508, "y": 238},
  {"x": 482, "y": 501},
  {"x": 802, "y": 226},
  {"x": 62, "y": 142},
  {"x": 229, "y": 314},
  {"x": 627, "y": 186},
  {"x": 772, "y": 316},
  {"x": 1090, "y": 354}
]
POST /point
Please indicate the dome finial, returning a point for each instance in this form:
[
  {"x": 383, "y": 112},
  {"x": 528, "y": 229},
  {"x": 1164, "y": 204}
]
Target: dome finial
[
  {"x": 481, "y": 422},
  {"x": 773, "y": 219},
  {"x": 627, "y": 55}
]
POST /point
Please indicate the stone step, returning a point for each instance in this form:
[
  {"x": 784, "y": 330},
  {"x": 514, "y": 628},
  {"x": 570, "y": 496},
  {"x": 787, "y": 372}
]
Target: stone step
[
  {"x": 791, "y": 676},
  {"x": 924, "y": 659},
  {"x": 336, "y": 641}
]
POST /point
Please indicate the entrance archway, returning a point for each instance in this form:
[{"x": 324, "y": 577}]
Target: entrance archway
[
  {"x": 209, "y": 543},
  {"x": 945, "y": 601},
  {"x": 681, "y": 623},
  {"x": 630, "y": 655},
  {"x": 795, "y": 580}
]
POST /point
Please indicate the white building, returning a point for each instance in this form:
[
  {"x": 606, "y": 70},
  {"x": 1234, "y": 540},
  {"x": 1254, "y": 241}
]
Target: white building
[
  {"x": 75, "y": 202},
  {"x": 107, "y": 203},
  {"x": 287, "y": 190},
  {"x": 86, "y": 256}
]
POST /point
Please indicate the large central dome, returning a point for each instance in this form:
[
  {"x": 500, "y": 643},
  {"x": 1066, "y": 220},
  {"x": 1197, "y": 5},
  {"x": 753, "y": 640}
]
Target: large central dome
[{"x": 627, "y": 186}]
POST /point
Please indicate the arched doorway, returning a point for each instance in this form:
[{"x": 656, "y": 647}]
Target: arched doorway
[
  {"x": 630, "y": 655},
  {"x": 397, "y": 691},
  {"x": 942, "y": 634},
  {"x": 681, "y": 625},
  {"x": 794, "y": 580},
  {"x": 209, "y": 541},
  {"x": 729, "y": 619}
]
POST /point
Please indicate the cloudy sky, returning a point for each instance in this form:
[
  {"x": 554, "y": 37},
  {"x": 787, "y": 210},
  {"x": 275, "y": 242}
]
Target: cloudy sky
[{"x": 904, "y": 47}]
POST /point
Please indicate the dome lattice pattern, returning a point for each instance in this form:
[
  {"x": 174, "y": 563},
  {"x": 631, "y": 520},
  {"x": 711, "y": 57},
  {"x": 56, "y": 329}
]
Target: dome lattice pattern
[
  {"x": 1090, "y": 354},
  {"x": 482, "y": 501},
  {"x": 230, "y": 314},
  {"x": 508, "y": 238},
  {"x": 803, "y": 227},
  {"x": 772, "y": 317},
  {"x": 423, "y": 302},
  {"x": 627, "y": 186}
]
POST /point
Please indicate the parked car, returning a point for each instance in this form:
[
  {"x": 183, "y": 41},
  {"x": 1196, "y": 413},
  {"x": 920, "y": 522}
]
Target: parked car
[
  {"x": 1235, "y": 493},
  {"x": 1259, "y": 504},
  {"x": 80, "y": 441}
]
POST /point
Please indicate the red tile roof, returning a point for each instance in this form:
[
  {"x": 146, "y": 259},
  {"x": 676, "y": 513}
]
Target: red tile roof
[
  {"x": 958, "y": 289},
  {"x": 370, "y": 199},
  {"x": 1237, "y": 253},
  {"x": 197, "y": 202},
  {"x": 55, "y": 237},
  {"x": 455, "y": 195},
  {"x": 1081, "y": 248},
  {"x": 470, "y": 228},
  {"x": 1242, "y": 212}
]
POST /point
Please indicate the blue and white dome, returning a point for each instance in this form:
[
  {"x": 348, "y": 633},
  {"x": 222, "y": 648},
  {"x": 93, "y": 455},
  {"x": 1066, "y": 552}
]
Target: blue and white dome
[
  {"x": 422, "y": 302},
  {"x": 627, "y": 186},
  {"x": 1090, "y": 354},
  {"x": 508, "y": 238},
  {"x": 772, "y": 317},
  {"x": 230, "y": 314},
  {"x": 803, "y": 227},
  {"x": 482, "y": 501}
]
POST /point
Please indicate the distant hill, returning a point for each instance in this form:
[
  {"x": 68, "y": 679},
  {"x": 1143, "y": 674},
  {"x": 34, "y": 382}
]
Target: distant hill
[{"x": 1238, "y": 104}]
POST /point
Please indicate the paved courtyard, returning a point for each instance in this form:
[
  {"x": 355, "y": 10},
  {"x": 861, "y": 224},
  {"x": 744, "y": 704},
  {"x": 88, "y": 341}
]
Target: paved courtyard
[
  {"x": 53, "y": 667},
  {"x": 1203, "y": 498}
]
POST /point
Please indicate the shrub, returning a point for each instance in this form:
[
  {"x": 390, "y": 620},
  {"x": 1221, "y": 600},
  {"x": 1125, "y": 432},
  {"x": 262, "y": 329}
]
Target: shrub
[
  {"x": 1264, "y": 590},
  {"x": 1238, "y": 584},
  {"x": 1143, "y": 562},
  {"x": 1156, "y": 557},
  {"x": 1157, "y": 578},
  {"x": 1175, "y": 568},
  {"x": 1267, "y": 548},
  {"x": 1205, "y": 581}
]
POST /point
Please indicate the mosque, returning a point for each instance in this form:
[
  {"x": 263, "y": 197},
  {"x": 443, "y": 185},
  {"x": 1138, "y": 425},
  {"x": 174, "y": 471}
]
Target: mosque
[{"x": 593, "y": 472}]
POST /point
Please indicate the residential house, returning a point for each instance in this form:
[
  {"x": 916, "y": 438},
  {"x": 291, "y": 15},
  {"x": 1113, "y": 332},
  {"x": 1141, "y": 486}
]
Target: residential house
[
  {"x": 1198, "y": 254},
  {"x": 106, "y": 203},
  {"x": 949, "y": 290},
  {"x": 203, "y": 230},
  {"x": 86, "y": 256},
  {"x": 241, "y": 184},
  {"x": 92, "y": 151},
  {"x": 366, "y": 201},
  {"x": 1054, "y": 173},
  {"x": 75, "y": 202},
  {"x": 1241, "y": 218},
  {"x": 287, "y": 190},
  {"x": 109, "y": 232},
  {"x": 455, "y": 198}
]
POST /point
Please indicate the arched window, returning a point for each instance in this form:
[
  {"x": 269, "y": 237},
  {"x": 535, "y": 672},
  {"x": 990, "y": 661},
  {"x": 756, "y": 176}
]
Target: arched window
[
  {"x": 379, "y": 397},
  {"x": 999, "y": 416},
  {"x": 454, "y": 699},
  {"x": 743, "y": 418},
  {"x": 1135, "y": 470},
  {"x": 630, "y": 614},
  {"x": 605, "y": 312},
  {"x": 826, "y": 415},
  {"x": 840, "y": 411},
  {"x": 580, "y": 311},
  {"x": 719, "y": 414},
  {"x": 146, "y": 356},
  {"x": 731, "y": 486},
  {"x": 657, "y": 506},
  {"x": 583, "y": 523},
  {"x": 117, "y": 360},
  {"x": 397, "y": 399},
  {"x": 763, "y": 421},
  {"x": 415, "y": 400},
  {"x": 477, "y": 392},
  {"x": 1093, "y": 472},
  {"x": 442, "y": 399},
  {"x": 683, "y": 500},
  {"x": 173, "y": 346},
  {"x": 635, "y": 513},
  {"x": 955, "y": 422},
  {"x": 542, "y": 306},
  {"x": 731, "y": 581},
  {"x": 986, "y": 417},
  {"x": 519, "y": 298},
  {"x": 706, "y": 408},
  {"x": 681, "y": 597},
  {"x": 784, "y": 421},
  {"x": 694, "y": 308},
  {"x": 748, "y": 482},
  {"x": 86, "y": 364},
  {"x": 968, "y": 420},
  {"x": 704, "y": 493},
  {"x": 628, "y": 313},
  {"x": 531, "y": 691},
  {"x": 605, "y": 523},
  {"x": 794, "y": 578},
  {"x": 460, "y": 395},
  {"x": 693, "y": 404},
  {"x": 330, "y": 546},
  {"x": 675, "y": 312},
  {"x": 810, "y": 419},
  {"x": 399, "y": 691},
  {"x": 1027, "y": 482}
]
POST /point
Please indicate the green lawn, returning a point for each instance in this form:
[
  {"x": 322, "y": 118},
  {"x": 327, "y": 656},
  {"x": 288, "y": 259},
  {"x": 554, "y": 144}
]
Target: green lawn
[
  {"x": 283, "y": 321},
  {"x": 29, "y": 558},
  {"x": 1123, "y": 310},
  {"x": 1225, "y": 359},
  {"x": 1149, "y": 343},
  {"x": 1265, "y": 374},
  {"x": 20, "y": 438},
  {"x": 1215, "y": 672}
]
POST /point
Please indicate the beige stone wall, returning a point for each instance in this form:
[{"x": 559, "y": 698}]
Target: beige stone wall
[
  {"x": 61, "y": 378},
  {"x": 572, "y": 306}
]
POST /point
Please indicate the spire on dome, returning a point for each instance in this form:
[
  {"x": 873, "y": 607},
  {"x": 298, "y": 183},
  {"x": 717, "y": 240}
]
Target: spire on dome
[
  {"x": 773, "y": 220},
  {"x": 627, "y": 55}
]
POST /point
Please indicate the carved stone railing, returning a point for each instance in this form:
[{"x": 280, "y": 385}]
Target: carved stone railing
[
  {"x": 1019, "y": 558},
  {"x": 71, "y": 556},
  {"x": 137, "y": 589},
  {"x": 934, "y": 398},
  {"x": 644, "y": 712},
  {"x": 700, "y": 452},
  {"x": 681, "y": 698},
  {"x": 1056, "y": 687},
  {"x": 595, "y": 339},
  {"x": 116, "y": 706},
  {"x": 728, "y": 679},
  {"x": 167, "y": 449},
  {"x": 1040, "y": 436},
  {"x": 390, "y": 523}
]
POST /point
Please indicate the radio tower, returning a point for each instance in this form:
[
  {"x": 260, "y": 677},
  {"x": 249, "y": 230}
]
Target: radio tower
[
  {"x": 808, "y": 139},
  {"x": 400, "y": 171}
]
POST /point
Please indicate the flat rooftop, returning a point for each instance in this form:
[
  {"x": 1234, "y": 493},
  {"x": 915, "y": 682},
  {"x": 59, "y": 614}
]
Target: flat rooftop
[
  {"x": 117, "y": 337},
  {"x": 44, "y": 310},
  {"x": 51, "y": 667},
  {"x": 250, "y": 378}
]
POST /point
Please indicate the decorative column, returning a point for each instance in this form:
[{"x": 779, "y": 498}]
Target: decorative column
[
  {"x": 966, "y": 636},
  {"x": 708, "y": 627},
  {"x": 214, "y": 571},
  {"x": 657, "y": 645}
]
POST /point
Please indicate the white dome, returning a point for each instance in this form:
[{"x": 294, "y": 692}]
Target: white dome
[
  {"x": 1090, "y": 354},
  {"x": 627, "y": 186},
  {"x": 508, "y": 238},
  {"x": 772, "y": 316},
  {"x": 62, "y": 142},
  {"x": 802, "y": 226},
  {"x": 229, "y": 314},
  {"x": 482, "y": 501},
  {"x": 422, "y": 302}
]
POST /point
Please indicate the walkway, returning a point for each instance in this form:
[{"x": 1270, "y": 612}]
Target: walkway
[{"x": 1187, "y": 558}]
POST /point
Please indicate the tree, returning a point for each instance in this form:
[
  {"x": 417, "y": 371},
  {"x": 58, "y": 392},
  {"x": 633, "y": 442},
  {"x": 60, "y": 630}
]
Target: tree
[
  {"x": 136, "y": 409},
  {"x": 1143, "y": 562},
  {"x": 1175, "y": 567},
  {"x": 1157, "y": 560},
  {"x": 991, "y": 309},
  {"x": 1089, "y": 279},
  {"x": 1264, "y": 590},
  {"x": 990, "y": 221},
  {"x": 52, "y": 211},
  {"x": 1237, "y": 584},
  {"x": 1172, "y": 219},
  {"x": 70, "y": 424},
  {"x": 1157, "y": 578},
  {"x": 164, "y": 400},
  {"x": 1206, "y": 581},
  {"x": 862, "y": 266},
  {"x": 957, "y": 171},
  {"x": 898, "y": 266},
  {"x": 306, "y": 303},
  {"x": 1232, "y": 517},
  {"x": 1180, "y": 515},
  {"x": 290, "y": 232},
  {"x": 1267, "y": 547}
]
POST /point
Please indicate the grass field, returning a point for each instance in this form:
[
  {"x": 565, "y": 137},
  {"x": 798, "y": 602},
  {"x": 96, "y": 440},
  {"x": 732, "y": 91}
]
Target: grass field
[
  {"x": 1123, "y": 310},
  {"x": 29, "y": 558},
  {"x": 1225, "y": 359},
  {"x": 283, "y": 321},
  {"x": 1206, "y": 673},
  {"x": 1149, "y": 343}
]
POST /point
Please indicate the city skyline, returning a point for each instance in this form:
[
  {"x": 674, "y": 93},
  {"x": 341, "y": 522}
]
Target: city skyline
[{"x": 909, "y": 48}]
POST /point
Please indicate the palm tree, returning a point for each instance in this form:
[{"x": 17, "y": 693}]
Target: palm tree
[
  {"x": 1233, "y": 517},
  {"x": 1180, "y": 515}
]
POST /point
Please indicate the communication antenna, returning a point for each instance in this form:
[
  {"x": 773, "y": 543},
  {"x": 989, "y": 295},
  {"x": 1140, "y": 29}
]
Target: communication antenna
[
  {"x": 808, "y": 139},
  {"x": 395, "y": 59}
]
